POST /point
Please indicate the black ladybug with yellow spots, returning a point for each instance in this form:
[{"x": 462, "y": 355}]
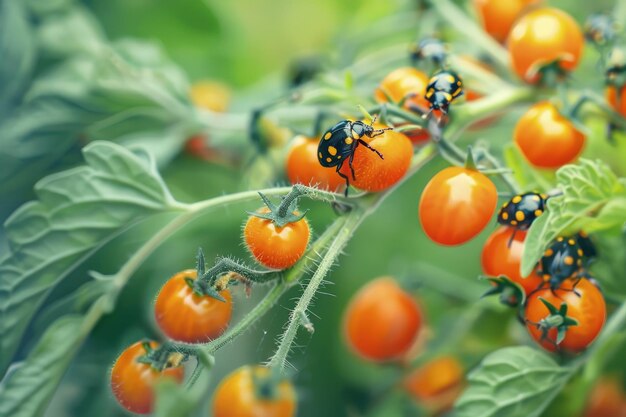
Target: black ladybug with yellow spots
[
  {"x": 339, "y": 143},
  {"x": 562, "y": 260},
  {"x": 444, "y": 86},
  {"x": 522, "y": 210}
]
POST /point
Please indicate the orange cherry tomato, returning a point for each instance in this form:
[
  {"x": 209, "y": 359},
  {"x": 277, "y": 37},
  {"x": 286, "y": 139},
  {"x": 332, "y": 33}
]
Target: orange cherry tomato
[
  {"x": 606, "y": 399},
  {"x": 498, "y": 258},
  {"x": 456, "y": 205},
  {"x": 188, "y": 317},
  {"x": 304, "y": 168},
  {"x": 497, "y": 16},
  {"x": 240, "y": 394},
  {"x": 273, "y": 246},
  {"x": 585, "y": 305},
  {"x": 133, "y": 382},
  {"x": 436, "y": 384},
  {"x": 542, "y": 37},
  {"x": 382, "y": 321},
  {"x": 546, "y": 138},
  {"x": 618, "y": 103},
  {"x": 373, "y": 173}
]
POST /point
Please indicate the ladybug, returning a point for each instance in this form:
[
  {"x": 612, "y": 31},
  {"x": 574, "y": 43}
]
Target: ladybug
[
  {"x": 443, "y": 87},
  {"x": 586, "y": 245},
  {"x": 430, "y": 48},
  {"x": 616, "y": 67},
  {"x": 562, "y": 260},
  {"x": 522, "y": 210},
  {"x": 600, "y": 29},
  {"x": 339, "y": 143}
]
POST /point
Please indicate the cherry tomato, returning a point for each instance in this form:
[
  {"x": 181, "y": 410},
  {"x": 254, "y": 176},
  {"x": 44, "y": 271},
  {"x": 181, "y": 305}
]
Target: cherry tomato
[
  {"x": 210, "y": 95},
  {"x": 273, "y": 246},
  {"x": 585, "y": 305},
  {"x": 497, "y": 16},
  {"x": 373, "y": 173},
  {"x": 618, "y": 103},
  {"x": 456, "y": 205},
  {"x": 188, "y": 317},
  {"x": 304, "y": 168},
  {"x": 132, "y": 382},
  {"x": 436, "y": 384},
  {"x": 546, "y": 138},
  {"x": 606, "y": 399},
  {"x": 382, "y": 321},
  {"x": 498, "y": 258},
  {"x": 240, "y": 395},
  {"x": 542, "y": 37}
]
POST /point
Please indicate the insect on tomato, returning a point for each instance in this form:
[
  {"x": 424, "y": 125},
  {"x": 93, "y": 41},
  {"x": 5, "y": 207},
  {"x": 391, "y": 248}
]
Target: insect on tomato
[
  {"x": 546, "y": 138},
  {"x": 436, "y": 384},
  {"x": 545, "y": 37},
  {"x": 497, "y": 16},
  {"x": 303, "y": 167},
  {"x": 456, "y": 205},
  {"x": 382, "y": 321},
  {"x": 274, "y": 246},
  {"x": 132, "y": 381},
  {"x": 585, "y": 304},
  {"x": 189, "y": 317},
  {"x": 254, "y": 392}
]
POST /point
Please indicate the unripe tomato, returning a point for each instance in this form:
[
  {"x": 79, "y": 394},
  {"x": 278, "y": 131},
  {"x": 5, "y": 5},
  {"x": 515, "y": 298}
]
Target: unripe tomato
[
  {"x": 273, "y": 246},
  {"x": 304, "y": 168},
  {"x": 606, "y": 399},
  {"x": 456, "y": 205},
  {"x": 497, "y": 16},
  {"x": 546, "y": 138},
  {"x": 436, "y": 384},
  {"x": 188, "y": 317},
  {"x": 251, "y": 392},
  {"x": 210, "y": 95},
  {"x": 373, "y": 173},
  {"x": 542, "y": 37},
  {"x": 618, "y": 103},
  {"x": 133, "y": 382},
  {"x": 585, "y": 305},
  {"x": 498, "y": 258},
  {"x": 382, "y": 321}
]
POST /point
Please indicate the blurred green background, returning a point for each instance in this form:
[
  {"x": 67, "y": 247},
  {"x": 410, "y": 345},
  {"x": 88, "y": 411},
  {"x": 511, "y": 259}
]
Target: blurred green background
[{"x": 249, "y": 45}]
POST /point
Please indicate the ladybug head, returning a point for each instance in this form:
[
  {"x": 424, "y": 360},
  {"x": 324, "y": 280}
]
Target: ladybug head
[{"x": 440, "y": 101}]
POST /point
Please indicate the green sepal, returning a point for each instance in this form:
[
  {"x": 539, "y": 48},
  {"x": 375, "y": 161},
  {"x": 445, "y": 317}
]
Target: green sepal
[
  {"x": 200, "y": 263},
  {"x": 285, "y": 213},
  {"x": 511, "y": 293},
  {"x": 557, "y": 319},
  {"x": 470, "y": 163}
]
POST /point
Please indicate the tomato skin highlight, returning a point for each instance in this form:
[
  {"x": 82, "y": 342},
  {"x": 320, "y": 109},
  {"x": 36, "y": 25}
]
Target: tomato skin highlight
[
  {"x": 618, "y": 103},
  {"x": 588, "y": 308},
  {"x": 188, "y": 317},
  {"x": 133, "y": 382},
  {"x": 499, "y": 259},
  {"x": 456, "y": 205},
  {"x": 541, "y": 37},
  {"x": 303, "y": 167},
  {"x": 546, "y": 138},
  {"x": 236, "y": 396},
  {"x": 497, "y": 17},
  {"x": 437, "y": 383},
  {"x": 273, "y": 246},
  {"x": 376, "y": 174},
  {"x": 382, "y": 321}
]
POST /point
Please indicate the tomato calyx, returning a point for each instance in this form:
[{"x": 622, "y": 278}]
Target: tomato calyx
[
  {"x": 556, "y": 319},
  {"x": 550, "y": 74},
  {"x": 287, "y": 211},
  {"x": 266, "y": 385},
  {"x": 511, "y": 293},
  {"x": 162, "y": 357}
]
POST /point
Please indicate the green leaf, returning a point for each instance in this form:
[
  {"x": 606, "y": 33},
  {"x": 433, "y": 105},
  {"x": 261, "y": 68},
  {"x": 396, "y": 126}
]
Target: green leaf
[
  {"x": 78, "y": 211},
  {"x": 512, "y": 382},
  {"x": 527, "y": 177},
  {"x": 593, "y": 199}
]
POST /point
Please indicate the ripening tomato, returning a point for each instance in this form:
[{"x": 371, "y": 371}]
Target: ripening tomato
[
  {"x": 585, "y": 305},
  {"x": 304, "y": 168},
  {"x": 618, "y": 103},
  {"x": 606, "y": 399},
  {"x": 498, "y": 258},
  {"x": 133, "y": 382},
  {"x": 253, "y": 392},
  {"x": 542, "y": 37},
  {"x": 274, "y": 246},
  {"x": 382, "y": 321},
  {"x": 436, "y": 384},
  {"x": 546, "y": 138},
  {"x": 373, "y": 173},
  {"x": 497, "y": 16},
  {"x": 456, "y": 205},
  {"x": 188, "y": 317}
]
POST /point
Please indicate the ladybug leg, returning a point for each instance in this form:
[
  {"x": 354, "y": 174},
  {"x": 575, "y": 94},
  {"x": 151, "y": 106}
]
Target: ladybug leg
[
  {"x": 362, "y": 142},
  {"x": 342, "y": 175},
  {"x": 511, "y": 238},
  {"x": 351, "y": 167}
]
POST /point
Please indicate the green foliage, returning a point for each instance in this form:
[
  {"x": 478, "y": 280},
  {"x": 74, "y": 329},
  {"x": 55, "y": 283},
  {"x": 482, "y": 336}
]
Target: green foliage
[{"x": 512, "y": 382}]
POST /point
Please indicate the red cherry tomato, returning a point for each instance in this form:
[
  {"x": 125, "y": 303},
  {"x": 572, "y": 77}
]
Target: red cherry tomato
[
  {"x": 240, "y": 394},
  {"x": 133, "y": 382},
  {"x": 188, "y": 317},
  {"x": 617, "y": 102},
  {"x": 456, "y": 205},
  {"x": 497, "y": 16},
  {"x": 436, "y": 384},
  {"x": 546, "y": 138},
  {"x": 382, "y": 321},
  {"x": 585, "y": 305},
  {"x": 304, "y": 168}
]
